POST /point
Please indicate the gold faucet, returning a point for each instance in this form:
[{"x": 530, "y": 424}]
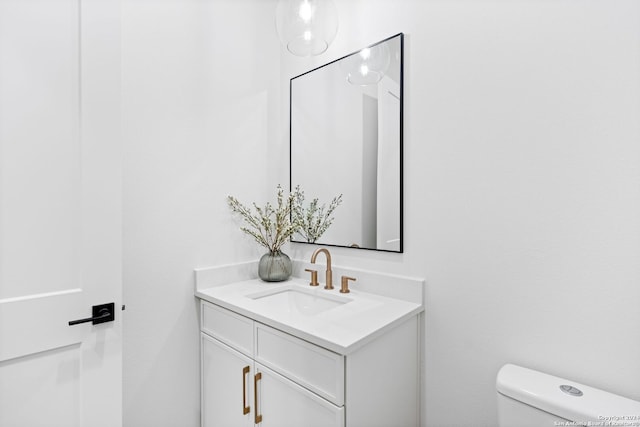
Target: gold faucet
[{"x": 329, "y": 284}]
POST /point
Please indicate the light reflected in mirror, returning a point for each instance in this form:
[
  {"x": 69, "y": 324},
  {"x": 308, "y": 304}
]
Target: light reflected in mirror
[{"x": 346, "y": 138}]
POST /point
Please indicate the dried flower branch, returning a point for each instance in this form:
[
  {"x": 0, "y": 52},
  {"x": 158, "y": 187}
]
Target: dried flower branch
[
  {"x": 269, "y": 227},
  {"x": 313, "y": 221}
]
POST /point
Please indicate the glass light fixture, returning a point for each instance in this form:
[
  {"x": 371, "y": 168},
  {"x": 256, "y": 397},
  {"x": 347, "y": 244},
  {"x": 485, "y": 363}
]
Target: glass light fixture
[
  {"x": 368, "y": 66},
  {"x": 306, "y": 27}
]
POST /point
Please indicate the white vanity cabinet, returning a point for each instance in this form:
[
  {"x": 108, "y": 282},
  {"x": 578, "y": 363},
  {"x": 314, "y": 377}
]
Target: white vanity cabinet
[{"x": 254, "y": 374}]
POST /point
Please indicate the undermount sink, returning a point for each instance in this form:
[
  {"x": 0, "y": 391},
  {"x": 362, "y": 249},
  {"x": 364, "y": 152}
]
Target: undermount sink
[{"x": 295, "y": 299}]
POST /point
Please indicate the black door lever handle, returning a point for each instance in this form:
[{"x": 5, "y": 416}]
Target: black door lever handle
[{"x": 100, "y": 314}]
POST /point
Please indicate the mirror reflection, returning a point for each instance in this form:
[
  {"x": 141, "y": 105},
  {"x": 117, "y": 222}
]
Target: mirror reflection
[{"x": 346, "y": 139}]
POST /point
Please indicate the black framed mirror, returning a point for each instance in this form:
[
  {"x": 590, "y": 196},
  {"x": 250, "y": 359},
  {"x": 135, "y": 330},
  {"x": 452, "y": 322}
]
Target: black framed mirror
[{"x": 346, "y": 139}]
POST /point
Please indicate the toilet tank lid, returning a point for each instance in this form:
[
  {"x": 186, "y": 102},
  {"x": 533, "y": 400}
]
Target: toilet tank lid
[{"x": 543, "y": 391}]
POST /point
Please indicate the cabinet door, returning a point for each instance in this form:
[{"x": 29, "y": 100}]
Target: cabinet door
[
  {"x": 227, "y": 377},
  {"x": 282, "y": 403}
]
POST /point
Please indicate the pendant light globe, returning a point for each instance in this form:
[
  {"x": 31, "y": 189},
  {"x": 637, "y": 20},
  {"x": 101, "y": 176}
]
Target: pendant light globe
[
  {"x": 306, "y": 27},
  {"x": 368, "y": 66}
]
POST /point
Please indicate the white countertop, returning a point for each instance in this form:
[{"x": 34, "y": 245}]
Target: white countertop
[{"x": 342, "y": 329}]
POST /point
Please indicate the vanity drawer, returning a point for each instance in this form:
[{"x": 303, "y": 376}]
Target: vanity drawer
[
  {"x": 316, "y": 368},
  {"x": 229, "y": 327}
]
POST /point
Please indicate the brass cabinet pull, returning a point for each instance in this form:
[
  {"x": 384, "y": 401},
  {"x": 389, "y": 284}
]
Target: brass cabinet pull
[
  {"x": 245, "y": 408},
  {"x": 257, "y": 377}
]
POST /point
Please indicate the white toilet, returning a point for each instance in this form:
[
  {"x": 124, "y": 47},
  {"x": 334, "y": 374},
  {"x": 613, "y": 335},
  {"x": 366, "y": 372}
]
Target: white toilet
[{"x": 527, "y": 398}]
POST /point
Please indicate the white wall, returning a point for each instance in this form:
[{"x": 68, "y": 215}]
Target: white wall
[
  {"x": 199, "y": 81},
  {"x": 522, "y": 189}
]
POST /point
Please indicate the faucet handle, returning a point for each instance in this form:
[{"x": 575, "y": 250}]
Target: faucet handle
[
  {"x": 344, "y": 286},
  {"x": 314, "y": 277}
]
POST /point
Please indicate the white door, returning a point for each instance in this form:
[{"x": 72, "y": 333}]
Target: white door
[
  {"x": 282, "y": 403},
  {"x": 389, "y": 161},
  {"x": 60, "y": 221},
  {"x": 227, "y": 387}
]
